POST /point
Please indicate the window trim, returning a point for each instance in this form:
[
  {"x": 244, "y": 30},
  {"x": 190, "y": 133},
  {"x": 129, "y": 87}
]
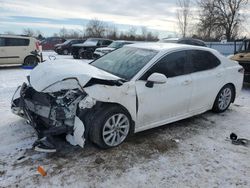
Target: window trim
[
  {"x": 159, "y": 59},
  {"x": 192, "y": 65},
  {"x": 10, "y": 38}
]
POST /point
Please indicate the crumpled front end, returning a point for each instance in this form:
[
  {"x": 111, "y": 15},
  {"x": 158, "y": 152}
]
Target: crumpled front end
[{"x": 50, "y": 113}]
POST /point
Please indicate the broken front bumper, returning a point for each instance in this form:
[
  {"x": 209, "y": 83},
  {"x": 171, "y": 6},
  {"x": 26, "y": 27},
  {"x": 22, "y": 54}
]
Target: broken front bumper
[{"x": 42, "y": 113}]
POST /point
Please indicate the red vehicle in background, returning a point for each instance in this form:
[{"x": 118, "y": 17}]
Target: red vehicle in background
[{"x": 50, "y": 42}]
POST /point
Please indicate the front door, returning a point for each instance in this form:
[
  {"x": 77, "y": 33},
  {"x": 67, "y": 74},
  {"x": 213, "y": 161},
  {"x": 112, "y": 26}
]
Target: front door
[{"x": 164, "y": 102}]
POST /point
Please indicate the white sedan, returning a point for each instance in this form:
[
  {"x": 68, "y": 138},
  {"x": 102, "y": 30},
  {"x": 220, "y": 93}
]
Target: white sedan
[{"x": 129, "y": 90}]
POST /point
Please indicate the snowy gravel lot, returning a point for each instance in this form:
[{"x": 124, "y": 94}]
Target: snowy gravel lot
[{"x": 190, "y": 153}]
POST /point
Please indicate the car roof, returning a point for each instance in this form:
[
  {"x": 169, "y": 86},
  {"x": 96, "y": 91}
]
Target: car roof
[
  {"x": 164, "y": 47},
  {"x": 100, "y": 39},
  {"x": 16, "y": 36}
]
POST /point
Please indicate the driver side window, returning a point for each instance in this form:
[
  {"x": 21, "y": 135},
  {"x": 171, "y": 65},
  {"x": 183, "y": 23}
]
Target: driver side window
[{"x": 174, "y": 64}]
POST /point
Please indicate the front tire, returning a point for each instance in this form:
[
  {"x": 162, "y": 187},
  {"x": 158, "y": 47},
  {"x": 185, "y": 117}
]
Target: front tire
[
  {"x": 111, "y": 127},
  {"x": 224, "y": 99}
]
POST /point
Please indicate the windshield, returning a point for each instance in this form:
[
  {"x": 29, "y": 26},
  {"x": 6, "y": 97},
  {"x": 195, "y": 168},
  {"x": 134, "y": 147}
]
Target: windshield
[
  {"x": 125, "y": 62},
  {"x": 91, "y": 42},
  {"x": 116, "y": 44},
  {"x": 67, "y": 41}
]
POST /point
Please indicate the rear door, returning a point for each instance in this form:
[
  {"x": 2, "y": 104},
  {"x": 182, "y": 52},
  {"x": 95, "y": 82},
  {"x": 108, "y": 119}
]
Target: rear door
[
  {"x": 3, "y": 54},
  {"x": 208, "y": 79}
]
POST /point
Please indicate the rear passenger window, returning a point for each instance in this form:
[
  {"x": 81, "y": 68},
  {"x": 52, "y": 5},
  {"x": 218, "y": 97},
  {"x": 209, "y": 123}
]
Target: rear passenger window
[
  {"x": 203, "y": 60},
  {"x": 106, "y": 42},
  {"x": 174, "y": 64},
  {"x": 2, "y": 42},
  {"x": 16, "y": 42}
]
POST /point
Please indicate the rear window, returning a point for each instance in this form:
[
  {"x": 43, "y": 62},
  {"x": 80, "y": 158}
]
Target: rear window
[
  {"x": 16, "y": 42},
  {"x": 203, "y": 60}
]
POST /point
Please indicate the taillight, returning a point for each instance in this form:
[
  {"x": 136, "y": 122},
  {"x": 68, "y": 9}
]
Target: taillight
[
  {"x": 37, "y": 45},
  {"x": 241, "y": 70}
]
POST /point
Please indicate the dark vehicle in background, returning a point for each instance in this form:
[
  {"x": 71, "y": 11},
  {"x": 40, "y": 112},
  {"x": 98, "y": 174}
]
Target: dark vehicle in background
[
  {"x": 86, "y": 50},
  {"x": 65, "y": 48},
  {"x": 50, "y": 42},
  {"x": 242, "y": 55},
  {"x": 189, "y": 41},
  {"x": 113, "y": 46}
]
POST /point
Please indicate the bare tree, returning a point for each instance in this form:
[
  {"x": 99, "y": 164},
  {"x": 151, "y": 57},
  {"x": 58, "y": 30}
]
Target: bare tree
[
  {"x": 9, "y": 32},
  {"x": 111, "y": 32},
  {"x": 95, "y": 28},
  {"x": 29, "y": 32},
  {"x": 221, "y": 18},
  {"x": 183, "y": 14},
  {"x": 63, "y": 33}
]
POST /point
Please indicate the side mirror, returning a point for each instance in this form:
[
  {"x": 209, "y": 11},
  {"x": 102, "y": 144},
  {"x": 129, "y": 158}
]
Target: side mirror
[{"x": 156, "y": 78}]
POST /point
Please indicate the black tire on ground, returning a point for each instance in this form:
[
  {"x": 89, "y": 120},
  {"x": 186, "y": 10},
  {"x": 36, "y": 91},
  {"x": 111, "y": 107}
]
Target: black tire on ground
[
  {"x": 103, "y": 118},
  {"x": 76, "y": 57},
  {"x": 30, "y": 61},
  {"x": 224, "y": 98},
  {"x": 89, "y": 55},
  {"x": 65, "y": 52}
]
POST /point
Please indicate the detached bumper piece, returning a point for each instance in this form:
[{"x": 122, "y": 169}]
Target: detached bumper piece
[{"x": 45, "y": 145}]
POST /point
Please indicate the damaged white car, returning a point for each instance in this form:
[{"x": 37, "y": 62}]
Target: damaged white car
[{"x": 132, "y": 89}]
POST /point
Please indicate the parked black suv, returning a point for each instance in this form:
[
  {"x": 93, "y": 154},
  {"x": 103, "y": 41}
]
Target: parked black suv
[
  {"x": 65, "y": 48},
  {"x": 86, "y": 50}
]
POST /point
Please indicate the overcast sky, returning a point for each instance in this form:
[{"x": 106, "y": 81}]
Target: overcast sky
[{"x": 49, "y": 16}]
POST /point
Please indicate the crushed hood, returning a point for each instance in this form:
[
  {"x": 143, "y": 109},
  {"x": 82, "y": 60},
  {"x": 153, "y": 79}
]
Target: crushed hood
[{"x": 53, "y": 76}]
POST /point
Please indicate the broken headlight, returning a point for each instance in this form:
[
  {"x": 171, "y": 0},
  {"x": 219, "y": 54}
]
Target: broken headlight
[{"x": 65, "y": 98}]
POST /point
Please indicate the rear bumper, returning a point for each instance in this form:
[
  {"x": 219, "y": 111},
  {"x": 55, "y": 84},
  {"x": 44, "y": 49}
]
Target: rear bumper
[{"x": 96, "y": 55}]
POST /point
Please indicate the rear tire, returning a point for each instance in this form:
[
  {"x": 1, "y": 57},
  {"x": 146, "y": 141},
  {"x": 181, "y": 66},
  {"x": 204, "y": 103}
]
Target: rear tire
[
  {"x": 111, "y": 127},
  {"x": 224, "y": 98},
  {"x": 30, "y": 61}
]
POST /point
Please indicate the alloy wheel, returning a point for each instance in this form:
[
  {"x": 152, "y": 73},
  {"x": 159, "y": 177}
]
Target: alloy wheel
[
  {"x": 225, "y": 98},
  {"x": 115, "y": 129}
]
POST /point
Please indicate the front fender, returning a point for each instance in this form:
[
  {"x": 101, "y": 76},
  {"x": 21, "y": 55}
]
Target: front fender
[{"x": 124, "y": 95}]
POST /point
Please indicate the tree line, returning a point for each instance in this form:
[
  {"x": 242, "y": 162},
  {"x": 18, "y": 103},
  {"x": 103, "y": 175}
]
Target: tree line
[
  {"x": 217, "y": 19},
  {"x": 209, "y": 20},
  {"x": 99, "y": 29}
]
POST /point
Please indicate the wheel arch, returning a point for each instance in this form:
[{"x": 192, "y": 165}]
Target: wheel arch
[
  {"x": 30, "y": 56},
  {"x": 234, "y": 90},
  {"x": 107, "y": 104},
  {"x": 88, "y": 115}
]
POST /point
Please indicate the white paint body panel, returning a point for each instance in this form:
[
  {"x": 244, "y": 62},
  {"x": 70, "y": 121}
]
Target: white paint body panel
[
  {"x": 19, "y": 52},
  {"x": 50, "y": 72},
  {"x": 180, "y": 97}
]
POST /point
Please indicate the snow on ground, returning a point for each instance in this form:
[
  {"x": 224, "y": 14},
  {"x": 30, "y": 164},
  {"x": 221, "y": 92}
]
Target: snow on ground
[{"x": 190, "y": 153}]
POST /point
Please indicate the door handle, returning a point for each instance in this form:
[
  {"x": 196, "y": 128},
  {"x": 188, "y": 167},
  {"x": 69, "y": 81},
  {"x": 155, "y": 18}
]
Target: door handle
[{"x": 187, "y": 82}]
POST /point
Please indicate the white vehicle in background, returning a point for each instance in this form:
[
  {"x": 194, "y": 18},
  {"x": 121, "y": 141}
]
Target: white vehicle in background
[
  {"x": 113, "y": 46},
  {"x": 131, "y": 89},
  {"x": 16, "y": 49}
]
